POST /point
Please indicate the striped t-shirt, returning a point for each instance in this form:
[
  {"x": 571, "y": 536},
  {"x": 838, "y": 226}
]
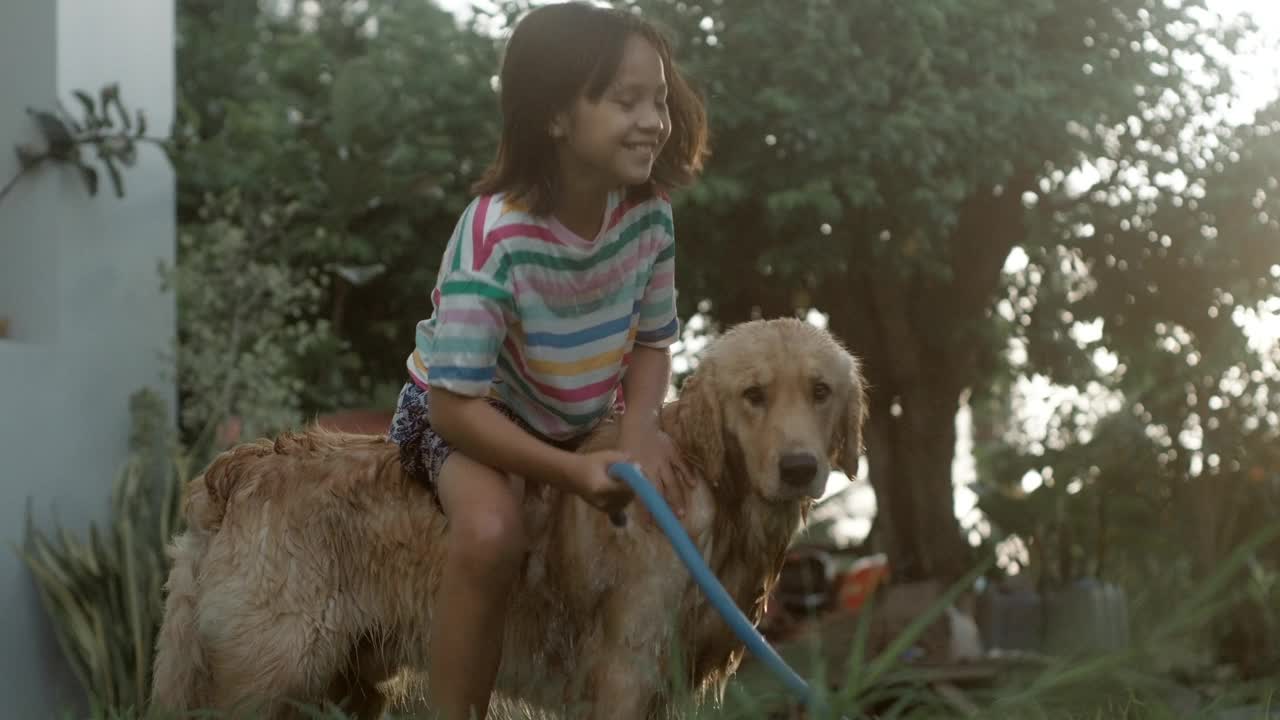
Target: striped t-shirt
[{"x": 528, "y": 312}]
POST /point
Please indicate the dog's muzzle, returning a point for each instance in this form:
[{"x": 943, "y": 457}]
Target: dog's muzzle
[{"x": 798, "y": 470}]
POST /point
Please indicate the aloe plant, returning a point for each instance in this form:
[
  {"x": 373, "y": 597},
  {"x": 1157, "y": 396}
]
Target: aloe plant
[{"x": 104, "y": 592}]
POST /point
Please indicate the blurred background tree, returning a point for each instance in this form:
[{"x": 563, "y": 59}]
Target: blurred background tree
[
  {"x": 986, "y": 201},
  {"x": 885, "y": 163},
  {"x": 1058, "y": 219},
  {"x": 334, "y": 142}
]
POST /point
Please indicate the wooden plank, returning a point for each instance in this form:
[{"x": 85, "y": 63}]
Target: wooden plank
[
  {"x": 828, "y": 644},
  {"x": 956, "y": 699}
]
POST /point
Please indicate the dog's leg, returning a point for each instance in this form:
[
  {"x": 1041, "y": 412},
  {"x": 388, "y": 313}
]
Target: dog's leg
[
  {"x": 272, "y": 695},
  {"x": 628, "y": 671},
  {"x": 269, "y": 665},
  {"x": 626, "y": 688},
  {"x": 362, "y": 701},
  {"x": 357, "y": 689}
]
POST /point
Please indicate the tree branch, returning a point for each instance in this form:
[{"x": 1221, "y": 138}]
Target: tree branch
[{"x": 13, "y": 182}]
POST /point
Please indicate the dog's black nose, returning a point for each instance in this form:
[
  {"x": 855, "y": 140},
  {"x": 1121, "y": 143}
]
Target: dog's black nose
[{"x": 797, "y": 468}]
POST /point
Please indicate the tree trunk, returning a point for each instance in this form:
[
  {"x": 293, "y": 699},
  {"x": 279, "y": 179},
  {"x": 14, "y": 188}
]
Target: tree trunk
[
  {"x": 914, "y": 394},
  {"x": 911, "y": 440},
  {"x": 752, "y": 295},
  {"x": 916, "y": 333}
]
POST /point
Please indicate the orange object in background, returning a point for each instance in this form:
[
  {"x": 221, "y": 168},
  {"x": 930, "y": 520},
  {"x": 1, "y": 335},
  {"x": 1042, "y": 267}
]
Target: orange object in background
[
  {"x": 856, "y": 584},
  {"x": 364, "y": 421}
]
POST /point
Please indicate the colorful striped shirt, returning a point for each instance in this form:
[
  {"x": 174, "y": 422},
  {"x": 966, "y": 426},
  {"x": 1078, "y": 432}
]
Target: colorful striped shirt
[{"x": 526, "y": 311}]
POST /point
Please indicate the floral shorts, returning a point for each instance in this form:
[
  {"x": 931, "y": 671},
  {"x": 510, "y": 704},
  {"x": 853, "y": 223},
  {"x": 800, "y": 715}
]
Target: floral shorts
[{"x": 422, "y": 450}]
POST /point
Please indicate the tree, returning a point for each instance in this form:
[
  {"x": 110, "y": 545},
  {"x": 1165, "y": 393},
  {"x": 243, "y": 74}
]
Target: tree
[
  {"x": 880, "y": 161},
  {"x": 1173, "y": 465},
  {"x": 323, "y": 153},
  {"x": 877, "y": 162}
]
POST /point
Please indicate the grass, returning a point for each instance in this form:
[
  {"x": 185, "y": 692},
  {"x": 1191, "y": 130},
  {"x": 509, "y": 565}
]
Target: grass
[
  {"x": 1127, "y": 684},
  {"x": 1096, "y": 700},
  {"x": 1134, "y": 683},
  {"x": 103, "y": 596}
]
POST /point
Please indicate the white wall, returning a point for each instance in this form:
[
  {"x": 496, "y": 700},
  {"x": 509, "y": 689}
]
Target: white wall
[{"x": 78, "y": 283}]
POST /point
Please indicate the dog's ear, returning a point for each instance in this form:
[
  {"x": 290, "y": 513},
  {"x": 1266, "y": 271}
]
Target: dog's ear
[
  {"x": 701, "y": 428},
  {"x": 847, "y": 443}
]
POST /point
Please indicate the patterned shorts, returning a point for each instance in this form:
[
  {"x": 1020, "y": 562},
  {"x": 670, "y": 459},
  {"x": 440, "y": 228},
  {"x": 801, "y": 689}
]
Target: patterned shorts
[{"x": 422, "y": 450}]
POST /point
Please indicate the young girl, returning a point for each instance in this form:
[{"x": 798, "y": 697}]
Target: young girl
[{"x": 555, "y": 295}]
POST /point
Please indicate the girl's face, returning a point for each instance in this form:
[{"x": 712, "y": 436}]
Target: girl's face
[{"x": 614, "y": 141}]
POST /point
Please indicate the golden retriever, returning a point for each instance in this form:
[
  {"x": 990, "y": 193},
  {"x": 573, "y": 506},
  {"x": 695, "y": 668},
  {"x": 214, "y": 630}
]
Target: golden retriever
[{"x": 310, "y": 563}]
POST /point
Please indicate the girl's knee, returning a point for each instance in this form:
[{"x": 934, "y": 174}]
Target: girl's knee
[
  {"x": 488, "y": 539},
  {"x": 486, "y": 534}
]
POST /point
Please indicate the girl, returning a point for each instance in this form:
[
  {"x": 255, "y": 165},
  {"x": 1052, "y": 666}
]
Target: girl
[{"x": 555, "y": 292}]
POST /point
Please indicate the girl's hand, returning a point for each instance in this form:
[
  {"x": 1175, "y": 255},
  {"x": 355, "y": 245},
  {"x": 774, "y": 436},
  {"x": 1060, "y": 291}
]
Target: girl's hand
[
  {"x": 660, "y": 460},
  {"x": 588, "y": 476}
]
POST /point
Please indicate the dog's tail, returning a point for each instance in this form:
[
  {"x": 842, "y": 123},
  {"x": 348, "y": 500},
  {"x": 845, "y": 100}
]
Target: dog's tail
[
  {"x": 177, "y": 677},
  {"x": 207, "y": 495},
  {"x": 177, "y": 684}
]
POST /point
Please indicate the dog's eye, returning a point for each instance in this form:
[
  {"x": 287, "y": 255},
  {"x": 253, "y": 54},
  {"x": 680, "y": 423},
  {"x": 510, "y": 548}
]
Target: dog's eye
[
  {"x": 821, "y": 391},
  {"x": 754, "y": 395}
]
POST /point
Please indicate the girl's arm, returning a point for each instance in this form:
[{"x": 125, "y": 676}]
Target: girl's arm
[
  {"x": 473, "y": 426},
  {"x": 478, "y": 431},
  {"x": 645, "y": 388}
]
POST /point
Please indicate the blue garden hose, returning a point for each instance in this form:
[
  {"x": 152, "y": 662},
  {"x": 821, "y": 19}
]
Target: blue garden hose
[{"x": 710, "y": 585}]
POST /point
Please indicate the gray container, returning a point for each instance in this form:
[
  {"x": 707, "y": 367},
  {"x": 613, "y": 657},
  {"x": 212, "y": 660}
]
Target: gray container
[
  {"x": 1011, "y": 619},
  {"x": 1086, "y": 617}
]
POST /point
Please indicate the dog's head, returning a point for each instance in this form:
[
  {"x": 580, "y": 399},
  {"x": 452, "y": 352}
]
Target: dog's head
[{"x": 773, "y": 406}]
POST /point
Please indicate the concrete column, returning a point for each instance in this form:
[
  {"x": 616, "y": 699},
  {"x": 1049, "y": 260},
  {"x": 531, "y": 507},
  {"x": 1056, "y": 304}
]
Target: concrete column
[{"x": 88, "y": 323}]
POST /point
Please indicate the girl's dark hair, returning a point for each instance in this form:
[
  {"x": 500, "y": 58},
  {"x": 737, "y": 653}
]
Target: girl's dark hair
[{"x": 557, "y": 53}]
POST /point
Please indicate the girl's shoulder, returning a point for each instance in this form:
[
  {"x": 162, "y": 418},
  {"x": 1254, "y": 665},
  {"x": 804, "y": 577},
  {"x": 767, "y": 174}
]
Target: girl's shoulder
[
  {"x": 498, "y": 221},
  {"x": 498, "y": 224},
  {"x": 496, "y": 213},
  {"x": 509, "y": 208},
  {"x": 642, "y": 210},
  {"x": 484, "y": 211},
  {"x": 646, "y": 215}
]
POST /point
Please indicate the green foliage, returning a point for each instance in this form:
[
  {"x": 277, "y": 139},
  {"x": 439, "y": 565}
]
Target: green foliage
[
  {"x": 881, "y": 161},
  {"x": 894, "y": 117},
  {"x": 335, "y": 149},
  {"x": 869, "y": 161},
  {"x": 103, "y": 594},
  {"x": 1168, "y": 461},
  {"x": 1128, "y": 683},
  {"x": 878, "y": 161},
  {"x": 247, "y": 323}
]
